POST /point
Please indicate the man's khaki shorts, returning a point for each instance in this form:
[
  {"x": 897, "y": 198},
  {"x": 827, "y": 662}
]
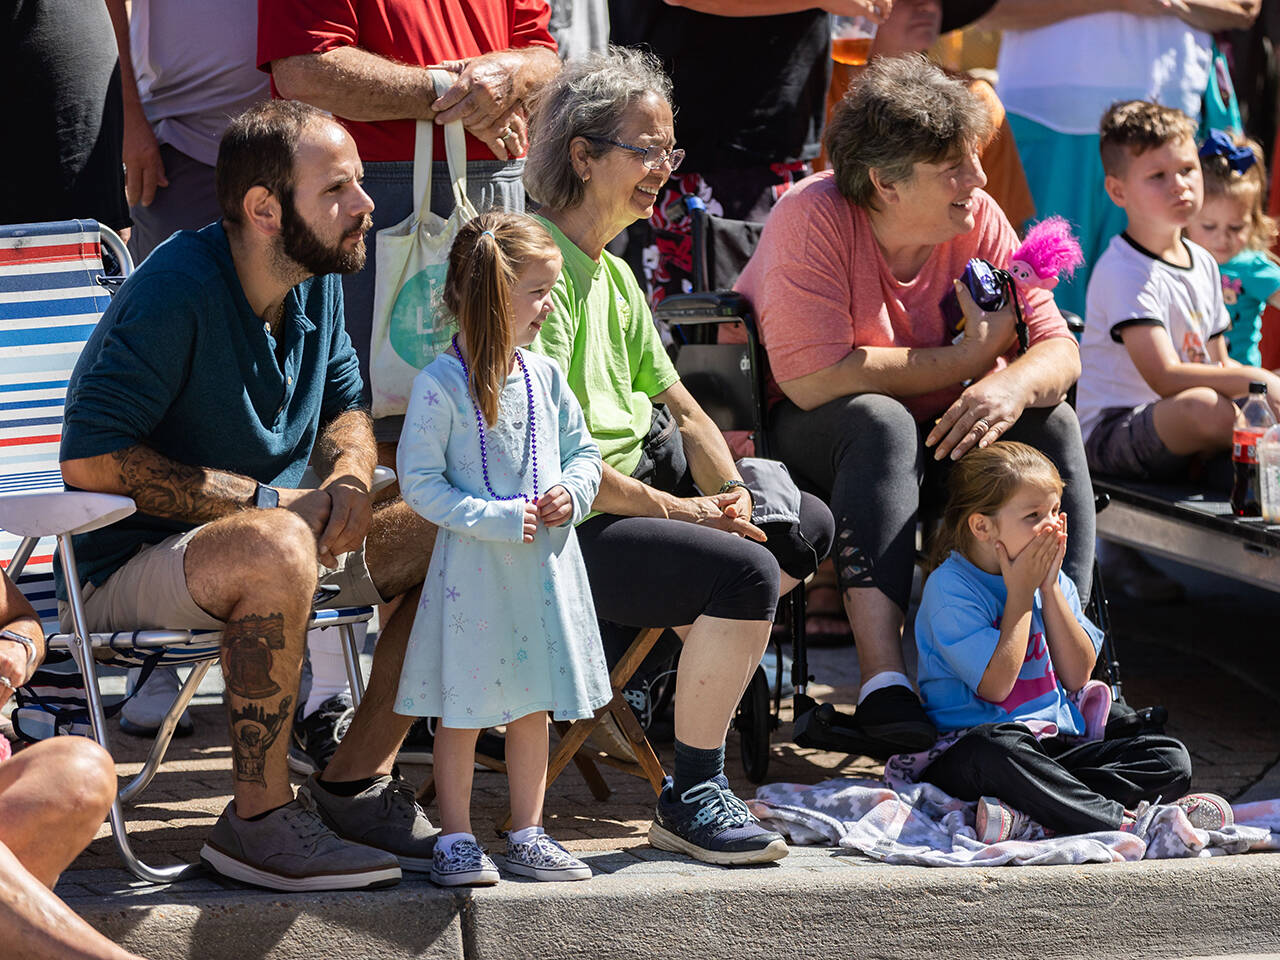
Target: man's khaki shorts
[{"x": 150, "y": 591}]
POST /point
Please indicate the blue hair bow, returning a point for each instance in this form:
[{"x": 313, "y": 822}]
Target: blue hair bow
[{"x": 1219, "y": 144}]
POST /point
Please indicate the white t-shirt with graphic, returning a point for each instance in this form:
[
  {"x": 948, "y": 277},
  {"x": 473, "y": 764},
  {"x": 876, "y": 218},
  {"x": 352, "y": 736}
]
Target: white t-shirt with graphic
[{"x": 1130, "y": 285}]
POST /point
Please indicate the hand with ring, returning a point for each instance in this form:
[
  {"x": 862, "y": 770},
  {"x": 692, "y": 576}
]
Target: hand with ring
[{"x": 987, "y": 408}]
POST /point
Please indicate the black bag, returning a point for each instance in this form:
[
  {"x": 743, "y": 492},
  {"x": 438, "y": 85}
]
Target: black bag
[{"x": 662, "y": 461}]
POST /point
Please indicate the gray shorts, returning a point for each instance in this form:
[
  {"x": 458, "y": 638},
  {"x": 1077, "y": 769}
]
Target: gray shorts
[
  {"x": 491, "y": 185},
  {"x": 1124, "y": 443},
  {"x": 150, "y": 591},
  {"x": 189, "y": 202}
]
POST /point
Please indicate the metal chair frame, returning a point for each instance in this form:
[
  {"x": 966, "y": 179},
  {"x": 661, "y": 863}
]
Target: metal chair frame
[{"x": 35, "y": 507}]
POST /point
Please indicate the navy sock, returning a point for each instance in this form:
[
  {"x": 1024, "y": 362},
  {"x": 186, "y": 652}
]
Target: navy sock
[{"x": 694, "y": 765}]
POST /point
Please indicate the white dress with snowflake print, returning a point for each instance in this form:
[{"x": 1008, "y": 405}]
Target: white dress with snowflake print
[{"x": 504, "y": 628}]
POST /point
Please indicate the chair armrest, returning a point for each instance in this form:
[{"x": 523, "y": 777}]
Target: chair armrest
[
  {"x": 714, "y": 306},
  {"x": 382, "y": 477},
  {"x": 56, "y": 512}
]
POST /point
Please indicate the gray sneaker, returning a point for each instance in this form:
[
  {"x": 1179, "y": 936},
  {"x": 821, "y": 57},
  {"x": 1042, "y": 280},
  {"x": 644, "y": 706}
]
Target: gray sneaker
[
  {"x": 292, "y": 849},
  {"x": 386, "y": 816}
]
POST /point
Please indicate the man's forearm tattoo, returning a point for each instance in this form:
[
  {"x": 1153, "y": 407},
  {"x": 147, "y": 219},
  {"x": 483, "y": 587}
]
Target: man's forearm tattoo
[
  {"x": 246, "y": 655},
  {"x": 253, "y": 731},
  {"x": 166, "y": 488}
]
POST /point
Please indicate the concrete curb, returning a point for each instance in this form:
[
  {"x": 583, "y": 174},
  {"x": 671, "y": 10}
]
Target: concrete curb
[{"x": 645, "y": 904}]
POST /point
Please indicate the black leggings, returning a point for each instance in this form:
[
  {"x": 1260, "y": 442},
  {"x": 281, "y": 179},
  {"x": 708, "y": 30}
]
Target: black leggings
[
  {"x": 653, "y": 572},
  {"x": 1068, "y": 788},
  {"x": 867, "y": 453}
]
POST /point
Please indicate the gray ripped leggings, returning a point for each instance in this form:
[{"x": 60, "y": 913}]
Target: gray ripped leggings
[{"x": 866, "y": 455}]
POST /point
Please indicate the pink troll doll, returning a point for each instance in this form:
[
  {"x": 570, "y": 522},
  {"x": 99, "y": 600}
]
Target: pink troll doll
[{"x": 1048, "y": 253}]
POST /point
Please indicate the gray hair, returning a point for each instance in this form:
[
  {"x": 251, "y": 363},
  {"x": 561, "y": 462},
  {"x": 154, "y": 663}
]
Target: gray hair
[
  {"x": 588, "y": 98},
  {"x": 900, "y": 112}
]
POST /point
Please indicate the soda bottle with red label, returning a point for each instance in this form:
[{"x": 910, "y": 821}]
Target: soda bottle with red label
[{"x": 1251, "y": 423}]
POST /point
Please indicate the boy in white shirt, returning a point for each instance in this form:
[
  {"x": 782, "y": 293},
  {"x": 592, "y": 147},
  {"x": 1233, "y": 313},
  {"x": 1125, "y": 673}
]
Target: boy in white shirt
[{"x": 1157, "y": 386}]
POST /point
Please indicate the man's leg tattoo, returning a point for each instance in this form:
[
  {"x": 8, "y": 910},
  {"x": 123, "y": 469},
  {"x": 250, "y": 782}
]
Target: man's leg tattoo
[
  {"x": 254, "y": 731},
  {"x": 246, "y": 654}
]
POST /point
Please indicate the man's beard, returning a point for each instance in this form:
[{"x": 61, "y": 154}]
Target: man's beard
[{"x": 301, "y": 245}]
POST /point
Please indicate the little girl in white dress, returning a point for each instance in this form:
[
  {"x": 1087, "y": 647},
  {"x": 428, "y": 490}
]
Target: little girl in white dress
[{"x": 496, "y": 453}]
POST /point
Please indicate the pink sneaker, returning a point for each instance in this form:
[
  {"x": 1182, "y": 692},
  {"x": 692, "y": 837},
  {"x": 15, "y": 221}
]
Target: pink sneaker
[
  {"x": 995, "y": 821},
  {"x": 1206, "y": 811}
]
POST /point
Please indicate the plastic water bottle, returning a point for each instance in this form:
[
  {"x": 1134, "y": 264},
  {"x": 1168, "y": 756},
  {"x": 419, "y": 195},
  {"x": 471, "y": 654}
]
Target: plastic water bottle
[
  {"x": 1251, "y": 423},
  {"x": 1269, "y": 474}
]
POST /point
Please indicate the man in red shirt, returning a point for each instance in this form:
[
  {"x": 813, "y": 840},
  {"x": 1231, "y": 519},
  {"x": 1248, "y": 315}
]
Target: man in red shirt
[{"x": 365, "y": 62}]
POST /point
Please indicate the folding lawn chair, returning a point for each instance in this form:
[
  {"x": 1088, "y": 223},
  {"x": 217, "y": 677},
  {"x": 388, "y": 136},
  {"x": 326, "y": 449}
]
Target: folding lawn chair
[{"x": 52, "y": 293}]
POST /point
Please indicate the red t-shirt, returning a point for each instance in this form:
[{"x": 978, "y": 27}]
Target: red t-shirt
[
  {"x": 821, "y": 287},
  {"x": 416, "y": 32}
]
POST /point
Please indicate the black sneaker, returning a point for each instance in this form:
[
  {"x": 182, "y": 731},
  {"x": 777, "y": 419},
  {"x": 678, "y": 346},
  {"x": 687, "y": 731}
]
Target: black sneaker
[
  {"x": 316, "y": 737},
  {"x": 893, "y": 719},
  {"x": 709, "y": 823}
]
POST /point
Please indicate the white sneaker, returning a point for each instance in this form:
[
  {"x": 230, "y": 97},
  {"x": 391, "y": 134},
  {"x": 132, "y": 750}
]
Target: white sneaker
[
  {"x": 143, "y": 714},
  {"x": 1206, "y": 811},
  {"x": 544, "y": 859},
  {"x": 465, "y": 865},
  {"x": 995, "y": 821}
]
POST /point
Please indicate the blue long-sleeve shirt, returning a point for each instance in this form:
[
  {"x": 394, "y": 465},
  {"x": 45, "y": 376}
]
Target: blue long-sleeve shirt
[
  {"x": 439, "y": 459},
  {"x": 182, "y": 364}
]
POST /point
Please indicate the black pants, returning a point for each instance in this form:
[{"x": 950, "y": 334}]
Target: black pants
[
  {"x": 1064, "y": 787},
  {"x": 653, "y": 572},
  {"x": 867, "y": 454}
]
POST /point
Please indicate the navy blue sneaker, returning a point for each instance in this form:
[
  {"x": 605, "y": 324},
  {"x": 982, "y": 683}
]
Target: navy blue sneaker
[{"x": 709, "y": 823}]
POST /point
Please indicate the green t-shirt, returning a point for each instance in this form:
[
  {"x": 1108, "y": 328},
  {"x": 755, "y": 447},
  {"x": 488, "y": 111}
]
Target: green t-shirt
[
  {"x": 602, "y": 335},
  {"x": 1248, "y": 281}
]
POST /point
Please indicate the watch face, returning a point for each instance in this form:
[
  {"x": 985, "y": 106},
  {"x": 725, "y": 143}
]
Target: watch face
[{"x": 267, "y": 498}]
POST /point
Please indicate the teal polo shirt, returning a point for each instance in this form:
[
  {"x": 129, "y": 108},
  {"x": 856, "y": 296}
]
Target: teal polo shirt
[{"x": 181, "y": 363}]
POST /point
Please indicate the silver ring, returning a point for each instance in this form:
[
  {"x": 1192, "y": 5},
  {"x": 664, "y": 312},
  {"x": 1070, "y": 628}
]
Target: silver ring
[
  {"x": 6, "y": 682},
  {"x": 981, "y": 426},
  {"x": 505, "y": 132}
]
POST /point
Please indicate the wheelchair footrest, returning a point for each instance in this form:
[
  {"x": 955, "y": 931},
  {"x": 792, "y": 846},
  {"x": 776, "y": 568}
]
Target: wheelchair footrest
[{"x": 823, "y": 727}]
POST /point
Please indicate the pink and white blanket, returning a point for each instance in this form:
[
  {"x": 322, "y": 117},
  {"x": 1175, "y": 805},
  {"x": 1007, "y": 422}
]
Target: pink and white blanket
[{"x": 919, "y": 824}]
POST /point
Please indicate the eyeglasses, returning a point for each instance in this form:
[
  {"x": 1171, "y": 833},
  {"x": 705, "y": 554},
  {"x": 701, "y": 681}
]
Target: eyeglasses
[{"x": 652, "y": 157}]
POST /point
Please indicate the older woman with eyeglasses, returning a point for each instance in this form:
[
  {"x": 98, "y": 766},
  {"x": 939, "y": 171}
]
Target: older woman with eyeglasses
[{"x": 670, "y": 543}]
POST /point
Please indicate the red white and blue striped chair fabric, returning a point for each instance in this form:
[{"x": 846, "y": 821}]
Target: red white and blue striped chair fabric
[{"x": 52, "y": 294}]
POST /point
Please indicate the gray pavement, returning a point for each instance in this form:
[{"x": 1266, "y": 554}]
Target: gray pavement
[
  {"x": 1211, "y": 660},
  {"x": 815, "y": 903}
]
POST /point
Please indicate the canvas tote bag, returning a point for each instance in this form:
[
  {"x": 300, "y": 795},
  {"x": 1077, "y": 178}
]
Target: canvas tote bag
[{"x": 410, "y": 323}]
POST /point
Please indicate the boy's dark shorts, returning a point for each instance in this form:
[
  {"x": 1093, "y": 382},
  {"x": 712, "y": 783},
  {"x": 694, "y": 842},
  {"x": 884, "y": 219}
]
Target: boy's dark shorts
[{"x": 1124, "y": 443}]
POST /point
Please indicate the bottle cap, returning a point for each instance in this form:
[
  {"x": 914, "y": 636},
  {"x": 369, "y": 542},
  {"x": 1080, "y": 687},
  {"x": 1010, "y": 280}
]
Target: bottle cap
[{"x": 1257, "y": 386}]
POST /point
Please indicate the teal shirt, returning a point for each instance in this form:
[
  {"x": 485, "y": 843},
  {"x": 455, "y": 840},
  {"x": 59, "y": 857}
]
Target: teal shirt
[
  {"x": 181, "y": 363},
  {"x": 1248, "y": 281}
]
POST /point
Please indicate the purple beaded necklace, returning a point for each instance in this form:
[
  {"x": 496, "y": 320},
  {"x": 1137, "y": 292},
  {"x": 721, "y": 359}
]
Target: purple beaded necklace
[{"x": 484, "y": 453}]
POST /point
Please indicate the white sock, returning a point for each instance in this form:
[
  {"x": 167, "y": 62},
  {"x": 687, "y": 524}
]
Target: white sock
[
  {"x": 525, "y": 834},
  {"x": 445, "y": 842},
  {"x": 328, "y": 666},
  {"x": 887, "y": 678}
]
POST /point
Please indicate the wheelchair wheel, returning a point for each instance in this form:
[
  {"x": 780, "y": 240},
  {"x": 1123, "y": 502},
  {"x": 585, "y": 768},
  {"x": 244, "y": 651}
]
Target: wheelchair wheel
[{"x": 753, "y": 721}]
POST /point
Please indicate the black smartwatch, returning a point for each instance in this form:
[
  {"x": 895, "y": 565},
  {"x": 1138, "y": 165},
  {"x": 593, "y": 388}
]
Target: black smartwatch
[{"x": 266, "y": 498}]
